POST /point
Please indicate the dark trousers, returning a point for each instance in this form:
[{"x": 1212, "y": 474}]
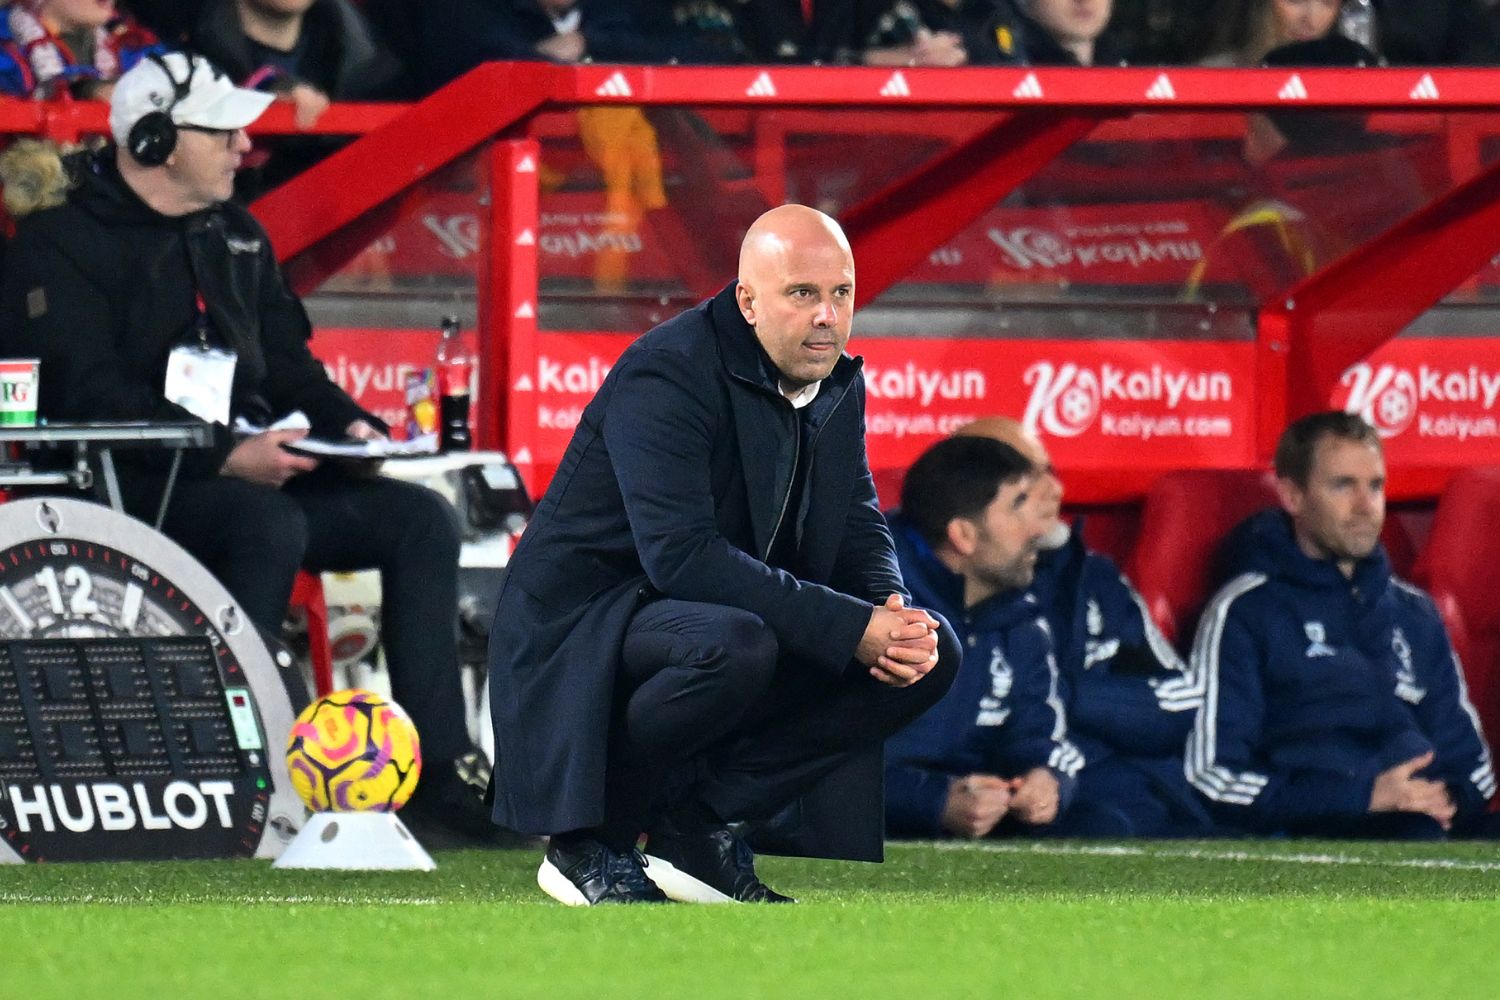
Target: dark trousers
[
  {"x": 1372, "y": 826},
  {"x": 254, "y": 539},
  {"x": 710, "y": 712}
]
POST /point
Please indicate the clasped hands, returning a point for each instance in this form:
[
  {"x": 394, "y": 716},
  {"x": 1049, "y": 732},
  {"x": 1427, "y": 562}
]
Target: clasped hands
[
  {"x": 976, "y": 803},
  {"x": 900, "y": 643}
]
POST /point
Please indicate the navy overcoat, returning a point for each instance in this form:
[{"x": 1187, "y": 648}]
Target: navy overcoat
[{"x": 673, "y": 484}]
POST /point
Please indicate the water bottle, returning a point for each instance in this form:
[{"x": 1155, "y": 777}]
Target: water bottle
[
  {"x": 455, "y": 371},
  {"x": 1357, "y": 22}
]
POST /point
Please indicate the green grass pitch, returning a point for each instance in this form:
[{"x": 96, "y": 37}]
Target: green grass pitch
[{"x": 1153, "y": 920}]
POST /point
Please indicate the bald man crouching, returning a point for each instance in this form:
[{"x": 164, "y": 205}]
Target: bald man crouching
[{"x": 704, "y": 624}]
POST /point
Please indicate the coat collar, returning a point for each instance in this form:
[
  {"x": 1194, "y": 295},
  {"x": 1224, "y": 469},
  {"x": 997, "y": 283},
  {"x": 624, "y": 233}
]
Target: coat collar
[
  {"x": 765, "y": 423},
  {"x": 747, "y": 362},
  {"x": 1266, "y": 543}
]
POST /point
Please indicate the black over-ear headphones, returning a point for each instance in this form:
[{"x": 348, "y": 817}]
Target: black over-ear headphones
[{"x": 153, "y": 137}]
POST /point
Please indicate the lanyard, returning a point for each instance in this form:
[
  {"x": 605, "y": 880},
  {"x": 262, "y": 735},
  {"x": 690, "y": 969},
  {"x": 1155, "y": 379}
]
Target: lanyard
[{"x": 200, "y": 319}]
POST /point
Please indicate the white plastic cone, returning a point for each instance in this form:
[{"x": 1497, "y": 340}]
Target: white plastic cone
[{"x": 356, "y": 841}]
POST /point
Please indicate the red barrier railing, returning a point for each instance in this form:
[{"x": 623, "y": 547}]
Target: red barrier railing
[{"x": 1307, "y": 336}]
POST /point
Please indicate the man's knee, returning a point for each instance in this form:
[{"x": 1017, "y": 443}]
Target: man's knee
[
  {"x": 744, "y": 654},
  {"x": 432, "y": 522},
  {"x": 950, "y": 655},
  {"x": 287, "y": 531},
  {"x": 907, "y": 703},
  {"x": 270, "y": 533}
]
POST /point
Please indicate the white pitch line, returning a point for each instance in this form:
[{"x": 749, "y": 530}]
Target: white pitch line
[
  {"x": 1205, "y": 854},
  {"x": 259, "y": 900}
]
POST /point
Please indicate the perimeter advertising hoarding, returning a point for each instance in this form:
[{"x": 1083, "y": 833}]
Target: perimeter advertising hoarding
[
  {"x": 1099, "y": 404},
  {"x": 1156, "y": 243},
  {"x": 1434, "y": 401},
  {"x": 1154, "y": 404}
]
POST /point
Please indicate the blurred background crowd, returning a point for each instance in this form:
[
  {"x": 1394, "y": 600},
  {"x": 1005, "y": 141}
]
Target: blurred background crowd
[{"x": 311, "y": 52}]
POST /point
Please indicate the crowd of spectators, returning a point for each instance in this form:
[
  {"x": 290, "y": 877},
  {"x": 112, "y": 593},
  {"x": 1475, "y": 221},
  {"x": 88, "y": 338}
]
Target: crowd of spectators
[{"x": 311, "y": 52}]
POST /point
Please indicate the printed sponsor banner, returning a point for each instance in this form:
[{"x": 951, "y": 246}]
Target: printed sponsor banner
[
  {"x": 1097, "y": 404},
  {"x": 577, "y": 235},
  {"x": 1433, "y": 401},
  {"x": 1173, "y": 404},
  {"x": 1125, "y": 244},
  {"x": 371, "y": 365}
]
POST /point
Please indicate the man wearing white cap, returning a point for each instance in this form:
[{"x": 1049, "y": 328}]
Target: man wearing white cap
[{"x": 149, "y": 295}]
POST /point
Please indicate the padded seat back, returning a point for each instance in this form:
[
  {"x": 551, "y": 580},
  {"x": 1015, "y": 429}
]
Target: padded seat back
[
  {"x": 1460, "y": 567},
  {"x": 1184, "y": 519}
]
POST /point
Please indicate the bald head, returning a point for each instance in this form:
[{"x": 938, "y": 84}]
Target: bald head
[
  {"x": 796, "y": 290},
  {"x": 1049, "y": 493},
  {"x": 1008, "y": 430},
  {"x": 784, "y": 229}
]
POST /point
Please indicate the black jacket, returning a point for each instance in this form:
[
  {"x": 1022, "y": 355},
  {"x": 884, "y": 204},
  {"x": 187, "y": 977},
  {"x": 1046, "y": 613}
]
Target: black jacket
[
  {"x": 1437, "y": 32},
  {"x": 672, "y": 484},
  {"x": 95, "y": 289},
  {"x": 343, "y": 60},
  {"x": 457, "y": 35}
]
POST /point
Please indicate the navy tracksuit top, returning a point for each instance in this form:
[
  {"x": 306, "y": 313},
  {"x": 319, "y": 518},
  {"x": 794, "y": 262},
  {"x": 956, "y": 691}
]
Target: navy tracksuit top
[
  {"x": 1314, "y": 684},
  {"x": 1004, "y": 713}
]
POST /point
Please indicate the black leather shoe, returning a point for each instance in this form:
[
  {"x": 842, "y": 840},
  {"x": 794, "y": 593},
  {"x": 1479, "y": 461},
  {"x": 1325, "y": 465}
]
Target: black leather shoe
[
  {"x": 587, "y": 873},
  {"x": 712, "y": 867}
]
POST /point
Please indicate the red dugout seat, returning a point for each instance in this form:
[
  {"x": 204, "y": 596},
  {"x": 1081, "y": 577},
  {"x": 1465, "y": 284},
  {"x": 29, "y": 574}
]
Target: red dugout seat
[
  {"x": 1185, "y": 516},
  {"x": 1460, "y": 567}
]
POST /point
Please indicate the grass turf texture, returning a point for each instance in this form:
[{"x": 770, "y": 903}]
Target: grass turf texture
[{"x": 1280, "y": 919}]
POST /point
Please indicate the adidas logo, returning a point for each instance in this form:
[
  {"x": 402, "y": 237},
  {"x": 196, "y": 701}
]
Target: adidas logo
[
  {"x": 522, "y": 457},
  {"x": 1426, "y": 89},
  {"x": 525, "y": 311},
  {"x": 762, "y": 87},
  {"x": 1293, "y": 90},
  {"x": 526, "y": 166},
  {"x": 523, "y": 384},
  {"x": 615, "y": 86},
  {"x": 1029, "y": 87},
  {"x": 896, "y": 86},
  {"x": 526, "y": 239},
  {"x": 1161, "y": 90}
]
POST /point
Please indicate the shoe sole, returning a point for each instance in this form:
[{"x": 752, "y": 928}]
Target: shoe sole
[
  {"x": 679, "y": 885},
  {"x": 557, "y": 885}
]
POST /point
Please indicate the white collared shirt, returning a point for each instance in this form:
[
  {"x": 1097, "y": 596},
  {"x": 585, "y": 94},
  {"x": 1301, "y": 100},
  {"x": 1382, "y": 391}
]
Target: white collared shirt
[{"x": 806, "y": 395}]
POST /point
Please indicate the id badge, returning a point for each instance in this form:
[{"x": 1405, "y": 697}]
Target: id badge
[{"x": 200, "y": 380}]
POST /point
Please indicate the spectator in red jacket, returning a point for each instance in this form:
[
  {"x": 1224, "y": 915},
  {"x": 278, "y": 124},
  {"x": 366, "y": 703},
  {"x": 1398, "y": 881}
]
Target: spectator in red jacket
[{"x": 75, "y": 48}]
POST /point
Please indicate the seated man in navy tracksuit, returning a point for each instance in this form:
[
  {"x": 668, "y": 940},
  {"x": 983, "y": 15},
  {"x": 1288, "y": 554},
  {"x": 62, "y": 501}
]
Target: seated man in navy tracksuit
[
  {"x": 1129, "y": 699},
  {"x": 994, "y": 754},
  {"x": 1333, "y": 703}
]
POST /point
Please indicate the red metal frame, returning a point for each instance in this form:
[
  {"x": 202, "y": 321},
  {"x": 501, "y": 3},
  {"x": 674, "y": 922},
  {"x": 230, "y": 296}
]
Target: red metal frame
[
  {"x": 898, "y": 227},
  {"x": 508, "y": 287},
  {"x": 1305, "y": 341},
  {"x": 1365, "y": 298}
]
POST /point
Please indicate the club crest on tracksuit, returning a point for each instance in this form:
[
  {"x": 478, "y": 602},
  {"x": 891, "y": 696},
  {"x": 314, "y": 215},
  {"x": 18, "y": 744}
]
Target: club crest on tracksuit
[
  {"x": 992, "y": 710},
  {"x": 1406, "y": 675},
  {"x": 1317, "y": 640},
  {"x": 1096, "y": 648}
]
